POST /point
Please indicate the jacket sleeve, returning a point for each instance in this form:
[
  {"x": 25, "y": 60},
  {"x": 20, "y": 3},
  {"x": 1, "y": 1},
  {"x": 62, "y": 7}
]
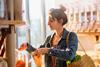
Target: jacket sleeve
[
  {"x": 68, "y": 53},
  {"x": 46, "y": 42}
]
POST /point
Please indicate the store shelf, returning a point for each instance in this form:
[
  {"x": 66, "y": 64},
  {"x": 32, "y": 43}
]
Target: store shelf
[
  {"x": 11, "y": 22},
  {"x": 94, "y": 33}
]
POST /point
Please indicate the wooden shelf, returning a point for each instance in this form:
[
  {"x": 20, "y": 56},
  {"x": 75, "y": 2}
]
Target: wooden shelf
[
  {"x": 93, "y": 33},
  {"x": 11, "y": 22}
]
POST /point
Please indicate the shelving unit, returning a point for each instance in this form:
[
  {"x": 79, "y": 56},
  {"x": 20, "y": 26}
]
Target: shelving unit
[
  {"x": 10, "y": 35},
  {"x": 11, "y": 22}
]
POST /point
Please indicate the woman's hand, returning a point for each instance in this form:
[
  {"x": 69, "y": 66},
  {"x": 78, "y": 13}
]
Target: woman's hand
[
  {"x": 37, "y": 55},
  {"x": 43, "y": 50}
]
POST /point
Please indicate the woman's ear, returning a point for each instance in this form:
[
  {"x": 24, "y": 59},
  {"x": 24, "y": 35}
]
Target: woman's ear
[{"x": 61, "y": 21}]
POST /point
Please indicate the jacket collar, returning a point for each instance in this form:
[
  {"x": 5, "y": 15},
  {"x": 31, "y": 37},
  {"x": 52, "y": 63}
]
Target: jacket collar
[
  {"x": 65, "y": 32},
  {"x": 64, "y": 35}
]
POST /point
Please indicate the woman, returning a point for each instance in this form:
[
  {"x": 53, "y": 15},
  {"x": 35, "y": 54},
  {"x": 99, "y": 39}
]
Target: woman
[{"x": 55, "y": 48}]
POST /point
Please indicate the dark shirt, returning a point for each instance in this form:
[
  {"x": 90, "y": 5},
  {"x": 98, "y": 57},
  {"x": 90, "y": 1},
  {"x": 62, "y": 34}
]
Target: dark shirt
[{"x": 60, "y": 52}]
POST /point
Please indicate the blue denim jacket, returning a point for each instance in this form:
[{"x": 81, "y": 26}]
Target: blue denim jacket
[{"x": 61, "y": 51}]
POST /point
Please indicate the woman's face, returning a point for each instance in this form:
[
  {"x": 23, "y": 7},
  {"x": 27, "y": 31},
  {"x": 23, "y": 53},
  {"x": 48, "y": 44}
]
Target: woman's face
[{"x": 53, "y": 23}]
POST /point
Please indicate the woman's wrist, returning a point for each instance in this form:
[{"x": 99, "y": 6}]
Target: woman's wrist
[{"x": 48, "y": 50}]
